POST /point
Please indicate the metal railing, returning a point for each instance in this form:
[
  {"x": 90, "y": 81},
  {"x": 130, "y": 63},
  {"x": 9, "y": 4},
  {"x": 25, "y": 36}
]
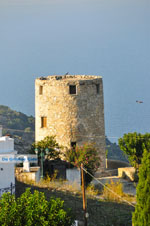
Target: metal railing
[{"x": 10, "y": 189}]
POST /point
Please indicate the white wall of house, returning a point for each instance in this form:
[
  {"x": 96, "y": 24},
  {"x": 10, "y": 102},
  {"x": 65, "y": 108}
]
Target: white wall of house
[
  {"x": 0, "y": 131},
  {"x": 7, "y": 172},
  {"x": 7, "y": 175},
  {"x": 6, "y": 144},
  {"x": 73, "y": 176}
]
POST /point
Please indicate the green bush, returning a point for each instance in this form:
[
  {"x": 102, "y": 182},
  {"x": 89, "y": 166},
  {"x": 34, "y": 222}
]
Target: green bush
[
  {"x": 86, "y": 154},
  {"x": 50, "y": 144},
  {"x": 33, "y": 210},
  {"x": 141, "y": 216},
  {"x": 133, "y": 145}
]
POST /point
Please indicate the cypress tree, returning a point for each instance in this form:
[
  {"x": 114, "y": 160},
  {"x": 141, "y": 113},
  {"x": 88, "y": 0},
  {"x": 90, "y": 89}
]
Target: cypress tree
[{"x": 141, "y": 216}]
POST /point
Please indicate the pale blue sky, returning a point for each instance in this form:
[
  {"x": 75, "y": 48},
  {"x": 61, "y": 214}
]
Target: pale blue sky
[{"x": 102, "y": 37}]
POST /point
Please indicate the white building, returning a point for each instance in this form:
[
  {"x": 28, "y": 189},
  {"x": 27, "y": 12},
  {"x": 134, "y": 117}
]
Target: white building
[{"x": 7, "y": 172}]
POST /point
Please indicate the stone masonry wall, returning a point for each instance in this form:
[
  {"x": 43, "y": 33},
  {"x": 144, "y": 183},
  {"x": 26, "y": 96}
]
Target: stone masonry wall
[{"x": 71, "y": 117}]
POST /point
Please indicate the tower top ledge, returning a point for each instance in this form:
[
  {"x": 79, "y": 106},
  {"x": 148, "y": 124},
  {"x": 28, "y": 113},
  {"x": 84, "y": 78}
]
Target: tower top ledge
[{"x": 70, "y": 77}]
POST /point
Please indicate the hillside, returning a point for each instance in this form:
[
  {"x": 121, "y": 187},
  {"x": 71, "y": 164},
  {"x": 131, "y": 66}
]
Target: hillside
[
  {"x": 15, "y": 120},
  {"x": 19, "y": 126},
  {"x": 114, "y": 151}
]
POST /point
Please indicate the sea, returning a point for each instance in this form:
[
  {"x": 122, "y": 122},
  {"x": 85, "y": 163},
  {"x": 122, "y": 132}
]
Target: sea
[{"x": 108, "y": 38}]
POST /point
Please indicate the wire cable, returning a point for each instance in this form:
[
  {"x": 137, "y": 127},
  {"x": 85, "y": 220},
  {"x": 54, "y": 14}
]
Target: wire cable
[{"x": 107, "y": 187}]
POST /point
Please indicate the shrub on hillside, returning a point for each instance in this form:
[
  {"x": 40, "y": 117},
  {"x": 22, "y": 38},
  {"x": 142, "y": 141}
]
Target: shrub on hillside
[
  {"x": 33, "y": 210},
  {"x": 141, "y": 216},
  {"x": 115, "y": 191},
  {"x": 48, "y": 146},
  {"x": 133, "y": 145},
  {"x": 86, "y": 154}
]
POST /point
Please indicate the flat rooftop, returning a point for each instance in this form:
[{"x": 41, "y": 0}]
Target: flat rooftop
[{"x": 70, "y": 77}]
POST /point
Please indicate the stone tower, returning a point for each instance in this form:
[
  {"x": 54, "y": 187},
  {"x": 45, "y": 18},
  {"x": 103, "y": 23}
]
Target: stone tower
[{"x": 72, "y": 108}]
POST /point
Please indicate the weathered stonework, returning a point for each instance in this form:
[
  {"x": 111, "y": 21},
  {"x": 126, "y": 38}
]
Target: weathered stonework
[{"x": 71, "y": 117}]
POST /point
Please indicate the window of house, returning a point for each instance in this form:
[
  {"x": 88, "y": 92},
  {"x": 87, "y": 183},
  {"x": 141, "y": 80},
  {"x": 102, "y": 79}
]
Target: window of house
[
  {"x": 73, "y": 144},
  {"x": 43, "y": 122},
  {"x": 40, "y": 90},
  {"x": 72, "y": 89},
  {"x": 97, "y": 88}
]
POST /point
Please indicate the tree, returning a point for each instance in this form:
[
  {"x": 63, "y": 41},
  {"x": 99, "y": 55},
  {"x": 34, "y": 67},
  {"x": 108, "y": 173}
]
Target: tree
[
  {"x": 86, "y": 154},
  {"x": 50, "y": 144},
  {"x": 133, "y": 145},
  {"x": 33, "y": 210},
  {"x": 141, "y": 216}
]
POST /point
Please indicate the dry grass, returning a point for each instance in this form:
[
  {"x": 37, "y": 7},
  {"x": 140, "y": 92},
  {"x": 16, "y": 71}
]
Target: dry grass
[
  {"x": 62, "y": 185},
  {"x": 55, "y": 184},
  {"x": 59, "y": 185},
  {"x": 92, "y": 191},
  {"x": 117, "y": 193}
]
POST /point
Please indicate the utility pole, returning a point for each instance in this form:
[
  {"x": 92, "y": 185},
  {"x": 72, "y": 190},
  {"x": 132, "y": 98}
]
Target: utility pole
[{"x": 83, "y": 195}]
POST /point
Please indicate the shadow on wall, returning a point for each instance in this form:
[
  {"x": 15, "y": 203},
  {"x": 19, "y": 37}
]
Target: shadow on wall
[{"x": 115, "y": 164}]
